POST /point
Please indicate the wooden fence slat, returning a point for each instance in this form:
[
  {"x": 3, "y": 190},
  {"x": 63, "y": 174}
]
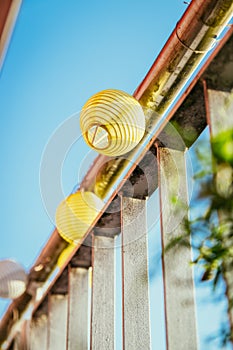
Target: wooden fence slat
[
  {"x": 180, "y": 317},
  {"x": 103, "y": 294},
  {"x": 78, "y": 309},
  {"x": 57, "y": 321},
  {"x": 220, "y": 111},
  {"x": 39, "y": 333},
  {"x": 220, "y": 108},
  {"x": 136, "y": 315}
]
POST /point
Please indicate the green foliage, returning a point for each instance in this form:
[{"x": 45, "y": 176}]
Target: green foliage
[{"x": 222, "y": 147}]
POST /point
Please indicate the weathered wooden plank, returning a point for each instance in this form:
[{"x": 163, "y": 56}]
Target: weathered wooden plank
[
  {"x": 220, "y": 111},
  {"x": 39, "y": 333},
  {"x": 17, "y": 343},
  {"x": 103, "y": 294},
  {"x": 136, "y": 315},
  {"x": 78, "y": 309},
  {"x": 22, "y": 337},
  {"x": 178, "y": 276},
  {"x": 57, "y": 321}
]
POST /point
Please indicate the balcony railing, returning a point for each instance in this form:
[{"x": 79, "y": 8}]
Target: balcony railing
[{"x": 76, "y": 307}]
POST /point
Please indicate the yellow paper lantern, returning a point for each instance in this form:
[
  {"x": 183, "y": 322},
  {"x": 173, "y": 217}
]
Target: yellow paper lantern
[
  {"x": 76, "y": 213},
  {"x": 13, "y": 279},
  {"x": 65, "y": 255},
  {"x": 112, "y": 122}
]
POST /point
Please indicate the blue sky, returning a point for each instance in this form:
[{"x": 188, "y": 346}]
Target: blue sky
[{"x": 61, "y": 53}]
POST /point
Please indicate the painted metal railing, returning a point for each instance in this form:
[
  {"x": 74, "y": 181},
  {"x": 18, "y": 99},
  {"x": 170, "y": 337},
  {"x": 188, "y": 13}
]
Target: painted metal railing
[
  {"x": 77, "y": 310},
  {"x": 9, "y": 10}
]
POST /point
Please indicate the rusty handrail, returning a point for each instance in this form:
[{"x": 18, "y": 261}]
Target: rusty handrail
[{"x": 8, "y": 14}]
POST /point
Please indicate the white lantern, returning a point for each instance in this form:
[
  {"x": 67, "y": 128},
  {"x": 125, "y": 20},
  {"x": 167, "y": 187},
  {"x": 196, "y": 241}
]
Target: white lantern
[{"x": 13, "y": 279}]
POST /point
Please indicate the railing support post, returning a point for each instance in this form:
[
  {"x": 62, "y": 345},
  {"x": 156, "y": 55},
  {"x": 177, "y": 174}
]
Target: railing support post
[
  {"x": 58, "y": 304},
  {"x": 103, "y": 294},
  {"x": 38, "y": 338},
  {"x": 77, "y": 332},
  {"x": 135, "y": 280},
  {"x": 180, "y": 317},
  {"x": 219, "y": 109}
]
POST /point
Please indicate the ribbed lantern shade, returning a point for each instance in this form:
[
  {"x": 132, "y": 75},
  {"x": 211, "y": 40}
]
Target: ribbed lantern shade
[
  {"x": 13, "y": 279},
  {"x": 76, "y": 213},
  {"x": 112, "y": 122}
]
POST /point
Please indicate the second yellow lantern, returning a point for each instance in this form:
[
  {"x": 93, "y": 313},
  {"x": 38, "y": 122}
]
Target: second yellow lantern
[{"x": 75, "y": 215}]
